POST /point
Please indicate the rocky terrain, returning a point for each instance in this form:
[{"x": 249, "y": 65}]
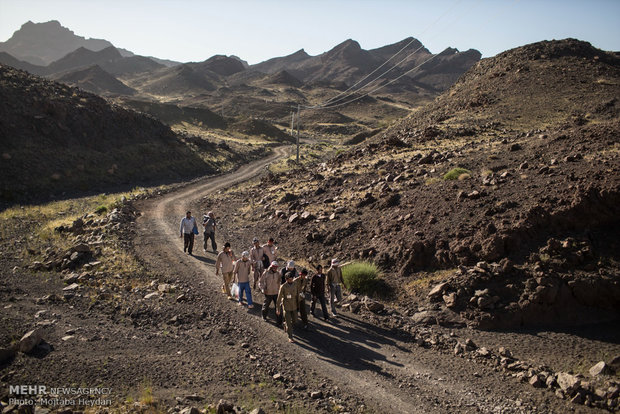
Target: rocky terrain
[
  {"x": 491, "y": 212},
  {"x": 494, "y": 207},
  {"x": 110, "y": 294},
  {"x": 57, "y": 139}
]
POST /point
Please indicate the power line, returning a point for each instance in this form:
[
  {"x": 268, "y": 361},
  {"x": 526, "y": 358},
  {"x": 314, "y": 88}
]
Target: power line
[
  {"x": 387, "y": 61},
  {"x": 328, "y": 105}
]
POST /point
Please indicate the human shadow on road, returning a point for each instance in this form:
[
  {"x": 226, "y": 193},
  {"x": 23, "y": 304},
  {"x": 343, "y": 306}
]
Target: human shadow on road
[
  {"x": 344, "y": 345},
  {"x": 383, "y": 333},
  {"x": 204, "y": 260}
]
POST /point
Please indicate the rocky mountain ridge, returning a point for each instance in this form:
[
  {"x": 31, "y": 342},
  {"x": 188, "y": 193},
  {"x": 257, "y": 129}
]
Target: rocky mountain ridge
[
  {"x": 57, "y": 139},
  {"x": 511, "y": 178}
]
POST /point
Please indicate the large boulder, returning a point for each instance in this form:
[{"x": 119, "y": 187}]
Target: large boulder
[
  {"x": 30, "y": 341},
  {"x": 437, "y": 292},
  {"x": 601, "y": 369},
  {"x": 568, "y": 383}
]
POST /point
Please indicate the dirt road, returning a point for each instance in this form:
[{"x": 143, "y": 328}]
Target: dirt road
[{"x": 353, "y": 363}]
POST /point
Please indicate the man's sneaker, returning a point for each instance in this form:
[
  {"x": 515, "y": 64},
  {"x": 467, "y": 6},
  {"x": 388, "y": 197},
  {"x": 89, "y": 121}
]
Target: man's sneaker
[{"x": 250, "y": 306}]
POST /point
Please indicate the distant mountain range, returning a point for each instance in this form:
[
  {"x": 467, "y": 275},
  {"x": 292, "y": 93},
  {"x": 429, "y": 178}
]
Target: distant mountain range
[
  {"x": 227, "y": 84},
  {"x": 49, "y": 48}
]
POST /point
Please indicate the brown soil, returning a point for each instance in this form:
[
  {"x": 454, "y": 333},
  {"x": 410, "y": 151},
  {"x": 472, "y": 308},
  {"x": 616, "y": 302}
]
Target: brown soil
[{"x": 203, "y": 348}]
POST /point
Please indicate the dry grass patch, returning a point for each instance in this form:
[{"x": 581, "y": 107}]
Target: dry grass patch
[{"x": 424, "y": 280}]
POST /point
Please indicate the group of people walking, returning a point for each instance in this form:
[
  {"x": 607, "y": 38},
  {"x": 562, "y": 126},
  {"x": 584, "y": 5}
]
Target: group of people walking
[{"x": 259, "y": 266}]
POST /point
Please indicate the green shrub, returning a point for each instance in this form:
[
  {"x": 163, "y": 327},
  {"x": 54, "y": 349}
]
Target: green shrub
[
  {"x": 101, "y": 210},
  {"x": 361, "y": 277},
  {"x": 454, "y": 173}
]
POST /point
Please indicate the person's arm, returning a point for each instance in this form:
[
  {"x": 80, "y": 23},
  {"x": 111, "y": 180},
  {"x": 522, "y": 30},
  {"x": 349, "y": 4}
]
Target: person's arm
[
  {"x": 235, "y": 271},
  {"x": 279, "y": 300}
]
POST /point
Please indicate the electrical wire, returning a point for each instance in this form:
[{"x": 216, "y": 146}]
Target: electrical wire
[
  {"x": 329, "y": 106},
  {"x": 335, "y": 98}
]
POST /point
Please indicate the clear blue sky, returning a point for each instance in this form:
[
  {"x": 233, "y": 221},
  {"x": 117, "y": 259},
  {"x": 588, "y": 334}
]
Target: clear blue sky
[{"x": 256, "y": 30}]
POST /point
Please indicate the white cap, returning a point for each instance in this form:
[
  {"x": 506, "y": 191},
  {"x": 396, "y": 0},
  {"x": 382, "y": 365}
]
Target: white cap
[
  {"x": 335, "y": 262},
  {"x": 274, "y": 263},
  {"x": 290, "y": 265},
  {"x": 245, "y": 254}
]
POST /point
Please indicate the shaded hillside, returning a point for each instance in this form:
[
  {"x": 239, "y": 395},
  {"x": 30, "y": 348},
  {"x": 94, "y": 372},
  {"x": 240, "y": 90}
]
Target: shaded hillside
[
  {"x": 8, "y": 59},
  {"x": 173, "y": 114},
  {"x": 181, "y": 79},
  {"x": 44, "y": 43},
  {"x": 96, "y": 80},
  {"x": 82, "y": 57},
  {"x": 57, "y": 139},
  {"x": 261, "y": 128},
  {"x": 532, "y": 213},
  {"x": 219, "y": 64},
  {"x": 278, "y": 64}
]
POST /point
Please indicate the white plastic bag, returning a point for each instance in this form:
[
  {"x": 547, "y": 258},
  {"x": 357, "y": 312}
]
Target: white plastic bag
[{"x": 234, "y": 291}]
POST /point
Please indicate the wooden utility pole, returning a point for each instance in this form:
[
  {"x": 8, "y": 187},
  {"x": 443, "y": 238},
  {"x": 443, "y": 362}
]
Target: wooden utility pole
[{"x": 298, "y": 109}]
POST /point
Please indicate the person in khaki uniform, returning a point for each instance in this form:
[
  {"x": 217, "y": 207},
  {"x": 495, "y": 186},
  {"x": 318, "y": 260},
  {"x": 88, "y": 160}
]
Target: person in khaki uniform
[
  {"x": 288, "y": 299},
  {"x": 334, "y": 282},
  {"x": 256, "y": 258},
  {"x": 302, "y": 282},
  {"x": 224, "y": 263},
  {"x": 271, "y": 250},
  {"x": 269, "y": 284},
  {"x": 241, "y": 274}
]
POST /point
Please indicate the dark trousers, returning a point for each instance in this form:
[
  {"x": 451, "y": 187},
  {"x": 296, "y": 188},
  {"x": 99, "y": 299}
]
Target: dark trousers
[
  {"x": 303, "y": 311},
  {"x": 213, "y": 243},
  {"x": 321, "y": 299},
  {"x": 268, "y": 300},
  {"x": 188, "y": 242}
]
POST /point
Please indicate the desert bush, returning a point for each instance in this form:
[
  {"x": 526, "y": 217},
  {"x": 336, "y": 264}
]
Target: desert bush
[
  {"x": 101, "y": 210},
  {"x": 454, "y": 173},
  {"x": 361, "y": 277}
]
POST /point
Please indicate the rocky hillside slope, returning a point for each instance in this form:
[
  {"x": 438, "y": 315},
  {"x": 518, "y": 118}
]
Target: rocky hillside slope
[
  {"x": 507, "y": 188},
  {"x": 56, "y": 139}
]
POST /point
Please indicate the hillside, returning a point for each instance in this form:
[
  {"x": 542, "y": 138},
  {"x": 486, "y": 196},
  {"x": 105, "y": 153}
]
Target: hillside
[
  {"x": 95, "y": 80},
  {"x": 57, "y": 139},
  {"x": 532, "y": 216}
]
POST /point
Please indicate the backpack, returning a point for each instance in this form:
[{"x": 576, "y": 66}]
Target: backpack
[{"x": 266, "y": 262}]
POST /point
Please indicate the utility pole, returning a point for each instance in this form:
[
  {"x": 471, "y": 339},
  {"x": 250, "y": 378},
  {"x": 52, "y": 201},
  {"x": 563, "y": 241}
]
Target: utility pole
[
  {"x": 292, "y": 123},
  {"x": 298, "y": 109}
]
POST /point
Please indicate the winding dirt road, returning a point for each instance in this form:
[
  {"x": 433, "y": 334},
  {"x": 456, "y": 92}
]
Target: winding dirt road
[{"x": 363, "y": 363}]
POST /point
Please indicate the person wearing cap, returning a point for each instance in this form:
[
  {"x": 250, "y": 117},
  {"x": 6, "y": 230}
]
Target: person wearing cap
[
  {"x": 241, "y": 274},
  {"x": 256, "y": 259},
  {"x": 187, "y": 230},
  {"x": 269, "y": 284},
  {"x": 224, "y": 263},
  {"x": 271, "y": 250},
  {"x": 288, "y": 300},
  {"x": 317, "y": 288},
  {"x": 290, "y": 267},
  {"x": 208, "y": 222},
  {"x": 302, "y": 282},
  {"x": 334, "y": 281}
]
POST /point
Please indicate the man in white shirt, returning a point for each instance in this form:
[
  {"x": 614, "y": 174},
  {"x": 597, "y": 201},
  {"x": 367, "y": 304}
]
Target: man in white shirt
[{"x": 188, "y": 224}]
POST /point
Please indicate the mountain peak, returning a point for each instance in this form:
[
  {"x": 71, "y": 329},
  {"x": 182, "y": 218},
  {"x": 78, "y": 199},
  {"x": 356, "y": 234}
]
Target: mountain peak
[{"x": 44, "y": 43}]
